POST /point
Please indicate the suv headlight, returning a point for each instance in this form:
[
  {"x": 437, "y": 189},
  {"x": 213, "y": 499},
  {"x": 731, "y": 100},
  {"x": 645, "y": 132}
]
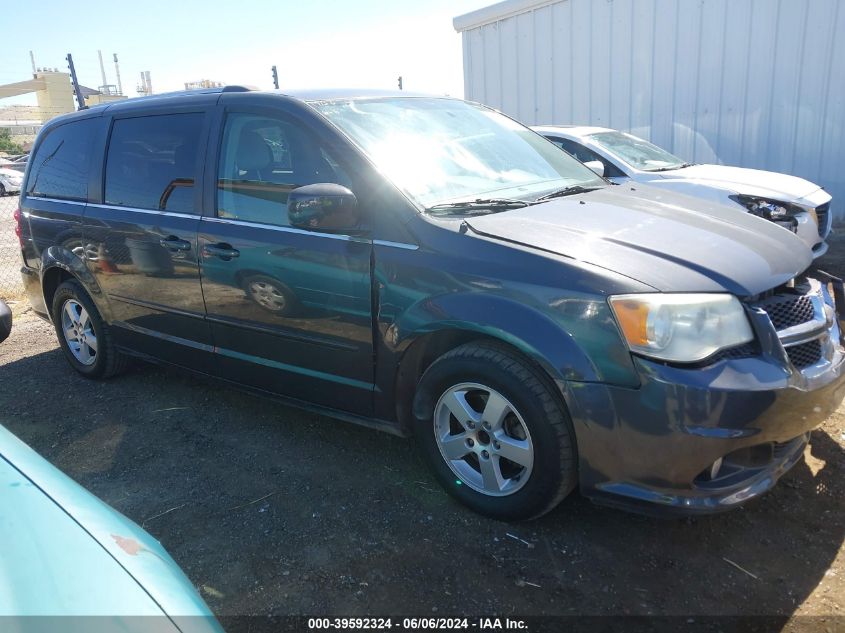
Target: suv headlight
[{"x": 682, "y": 328}]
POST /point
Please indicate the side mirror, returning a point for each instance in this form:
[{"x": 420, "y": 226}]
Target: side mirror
[
  {"x": 597, "y": 166},
  {"x": 323, "y": 206}
]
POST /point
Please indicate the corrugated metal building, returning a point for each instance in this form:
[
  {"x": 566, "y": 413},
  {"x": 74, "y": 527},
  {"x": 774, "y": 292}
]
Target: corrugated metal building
[{"x": 755, "y": 83}]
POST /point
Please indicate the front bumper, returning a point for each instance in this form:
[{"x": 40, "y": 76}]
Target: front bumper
[{"x": 654, "y": 448}]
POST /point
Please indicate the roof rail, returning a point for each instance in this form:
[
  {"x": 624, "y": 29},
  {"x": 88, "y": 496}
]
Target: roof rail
[{"x": 198, "y": 91}]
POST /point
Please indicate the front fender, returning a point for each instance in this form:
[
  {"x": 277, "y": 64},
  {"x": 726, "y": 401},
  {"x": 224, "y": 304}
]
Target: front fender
[{"x": 573, "y": 339}]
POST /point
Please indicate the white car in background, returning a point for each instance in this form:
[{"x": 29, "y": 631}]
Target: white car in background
[
  {"x": 794, "y": 203},
  {"x": 10, "y": 181}
]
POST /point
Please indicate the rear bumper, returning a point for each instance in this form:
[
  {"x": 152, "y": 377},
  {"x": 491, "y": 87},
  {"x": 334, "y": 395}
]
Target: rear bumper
[
  {"x": 654, "y": 448},
  {"x": 32, "y": 286}
]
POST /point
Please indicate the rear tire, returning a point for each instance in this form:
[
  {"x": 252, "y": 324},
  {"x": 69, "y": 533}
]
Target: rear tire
[
  {"x": 84, "y": 337},
  {"x": 512, "y": 456}
]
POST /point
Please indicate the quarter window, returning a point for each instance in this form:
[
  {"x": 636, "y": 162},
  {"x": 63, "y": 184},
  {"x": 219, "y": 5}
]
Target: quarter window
[
  {"x": 60, "y": 165},
  {"x": 262, "y": 160},
  {"x": 152, "y": 162}
]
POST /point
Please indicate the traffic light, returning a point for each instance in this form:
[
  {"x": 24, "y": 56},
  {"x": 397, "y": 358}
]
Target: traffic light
[
  {"x": 400, "y": 82},
  {"x": 275, "y": 78}
]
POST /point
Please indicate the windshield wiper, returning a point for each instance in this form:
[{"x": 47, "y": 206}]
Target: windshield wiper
[
  {"x": 476, "y": 207},
  {"x": 566, "y": 191},
  {"x": 673, "y": 167}
]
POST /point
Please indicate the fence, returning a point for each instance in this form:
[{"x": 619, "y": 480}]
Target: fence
[{"x": 11, "y": 286}]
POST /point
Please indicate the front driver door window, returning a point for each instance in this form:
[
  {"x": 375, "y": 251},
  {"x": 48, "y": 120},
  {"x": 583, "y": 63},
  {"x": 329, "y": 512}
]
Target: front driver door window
[{"x": 585, "y": 155}]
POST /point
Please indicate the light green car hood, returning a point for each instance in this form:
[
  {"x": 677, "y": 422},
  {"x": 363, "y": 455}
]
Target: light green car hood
[{"x": 63, "y": 552}]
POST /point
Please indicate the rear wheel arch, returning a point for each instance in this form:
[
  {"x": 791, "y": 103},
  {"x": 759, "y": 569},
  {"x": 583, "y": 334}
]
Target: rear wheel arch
[
  {"x": 50, "y": 281},
  {"x": 58, "y": 264}
]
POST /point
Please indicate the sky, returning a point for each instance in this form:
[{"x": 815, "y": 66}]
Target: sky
[{"x": 314, "y": 43}]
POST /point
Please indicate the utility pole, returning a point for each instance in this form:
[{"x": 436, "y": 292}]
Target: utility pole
[
  {"x": 102, "y": 70},
  {"x": 400, "y": 82},
  {"x": 275, "y": 78},
  {"x": 117, "y": 72},
  {"x": 79, "y": 99},
  {"x": 32, "y": 59}
]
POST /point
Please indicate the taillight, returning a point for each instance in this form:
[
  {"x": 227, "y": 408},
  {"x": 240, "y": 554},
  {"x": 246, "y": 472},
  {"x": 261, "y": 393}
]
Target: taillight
[{"x": 18, "y": 232}]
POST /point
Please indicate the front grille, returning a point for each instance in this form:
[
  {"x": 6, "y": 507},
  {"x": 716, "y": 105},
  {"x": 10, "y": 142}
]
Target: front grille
[
  {"x": 788, "y": 310},
  {"x": 822, "y": 212},
  {"x": 805, "y": 354},
  {"x": 747, "y": 350}
]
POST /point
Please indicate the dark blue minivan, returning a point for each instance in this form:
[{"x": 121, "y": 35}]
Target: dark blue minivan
[{"x": 430, "y": 267}]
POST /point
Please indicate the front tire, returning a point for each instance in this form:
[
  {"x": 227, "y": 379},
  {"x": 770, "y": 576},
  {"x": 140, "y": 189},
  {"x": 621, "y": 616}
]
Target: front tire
[
  {"x": 494, "y": 433},
  {"x": 84, "y": 337}
]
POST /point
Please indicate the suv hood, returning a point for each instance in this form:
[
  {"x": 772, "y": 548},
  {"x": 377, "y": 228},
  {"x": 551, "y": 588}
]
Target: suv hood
[
  {"x": 669, "y": 241},
  {"x": 748, "y": 181}
]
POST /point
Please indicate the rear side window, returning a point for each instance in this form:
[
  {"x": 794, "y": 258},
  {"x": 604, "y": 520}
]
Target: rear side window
[
  {"x": 152, "y": 162},
  {"x": 60, "y": 166}
]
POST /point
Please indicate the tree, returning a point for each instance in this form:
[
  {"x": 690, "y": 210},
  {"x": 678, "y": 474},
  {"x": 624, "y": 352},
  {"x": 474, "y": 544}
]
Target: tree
[{"x": 6, "y": 143}]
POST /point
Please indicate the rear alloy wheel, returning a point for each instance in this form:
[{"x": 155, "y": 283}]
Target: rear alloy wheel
[
  {"x": 83, "y": 336},
  {"x": 78, "y": 331},
  {"x": 494, "y": 432}
]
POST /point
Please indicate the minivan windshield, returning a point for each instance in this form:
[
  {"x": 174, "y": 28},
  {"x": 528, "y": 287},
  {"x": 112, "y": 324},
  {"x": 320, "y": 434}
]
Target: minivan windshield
[
  {"x": 441, "y": 151},
  {"x": 638, "y": 153}
]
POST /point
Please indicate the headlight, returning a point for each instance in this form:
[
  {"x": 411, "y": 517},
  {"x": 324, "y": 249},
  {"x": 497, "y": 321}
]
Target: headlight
[
  {"x": 681, "y": 328},
  {"x": 781, "y": 213}
]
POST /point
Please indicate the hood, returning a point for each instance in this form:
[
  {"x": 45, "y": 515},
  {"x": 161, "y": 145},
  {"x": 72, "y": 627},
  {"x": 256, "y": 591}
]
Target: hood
[
  {"x": 65, "y": 552},
  {"x": 753, "y": 182},
  {"x": 671, "y": 242}
]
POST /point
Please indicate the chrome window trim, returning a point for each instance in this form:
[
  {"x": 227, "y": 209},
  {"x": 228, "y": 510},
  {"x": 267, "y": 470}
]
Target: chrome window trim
[
  {"x": 172, "y": 214},
  {"x": 284, "y": 229},
  {"x": 47, "y": 199},
  {"x": 402, "y": 245},
  {"x": 296, "y": 231}
]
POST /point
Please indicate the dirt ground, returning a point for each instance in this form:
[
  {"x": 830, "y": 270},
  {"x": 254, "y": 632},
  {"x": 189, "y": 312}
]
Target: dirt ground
[{"x": 273, "y": 511}]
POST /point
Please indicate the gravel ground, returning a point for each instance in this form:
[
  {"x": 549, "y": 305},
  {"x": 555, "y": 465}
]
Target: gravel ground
[{"x": 273, "y": 511}]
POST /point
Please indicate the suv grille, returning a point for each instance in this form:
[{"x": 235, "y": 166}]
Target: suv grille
[
  {"x": 805, "y": 354},
  {"x": 822, "y": 212},
  {"x": 788, "y": 310}
]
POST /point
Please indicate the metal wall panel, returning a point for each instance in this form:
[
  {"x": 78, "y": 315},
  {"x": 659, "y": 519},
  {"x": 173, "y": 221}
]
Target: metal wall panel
[{"x": 756, "y": 83}]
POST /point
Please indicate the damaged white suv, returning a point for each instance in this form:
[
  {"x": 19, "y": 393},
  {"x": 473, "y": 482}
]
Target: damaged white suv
[{"x": 794, "y": 203}]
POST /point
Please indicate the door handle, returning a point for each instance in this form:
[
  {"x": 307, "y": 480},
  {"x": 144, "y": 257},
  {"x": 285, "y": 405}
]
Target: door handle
[
  {"x": 222, "y": 250},
  {"x": 173, "y": 243}
]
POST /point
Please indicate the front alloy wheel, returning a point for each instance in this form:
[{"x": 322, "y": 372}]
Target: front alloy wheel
[
  {"x": 483, "y": 439},
  {"x": 495, "y": 433}
]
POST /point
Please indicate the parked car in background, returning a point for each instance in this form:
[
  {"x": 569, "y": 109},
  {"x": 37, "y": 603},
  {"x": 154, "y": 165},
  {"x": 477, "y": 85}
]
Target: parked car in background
[
  {"x": 10, "y": 181},
  {"x": 5, "y": 321},
  {"x": 428, "y": 266},
  {"x": 66, "y": 553},
  {"x": 793, "y": 203}
]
